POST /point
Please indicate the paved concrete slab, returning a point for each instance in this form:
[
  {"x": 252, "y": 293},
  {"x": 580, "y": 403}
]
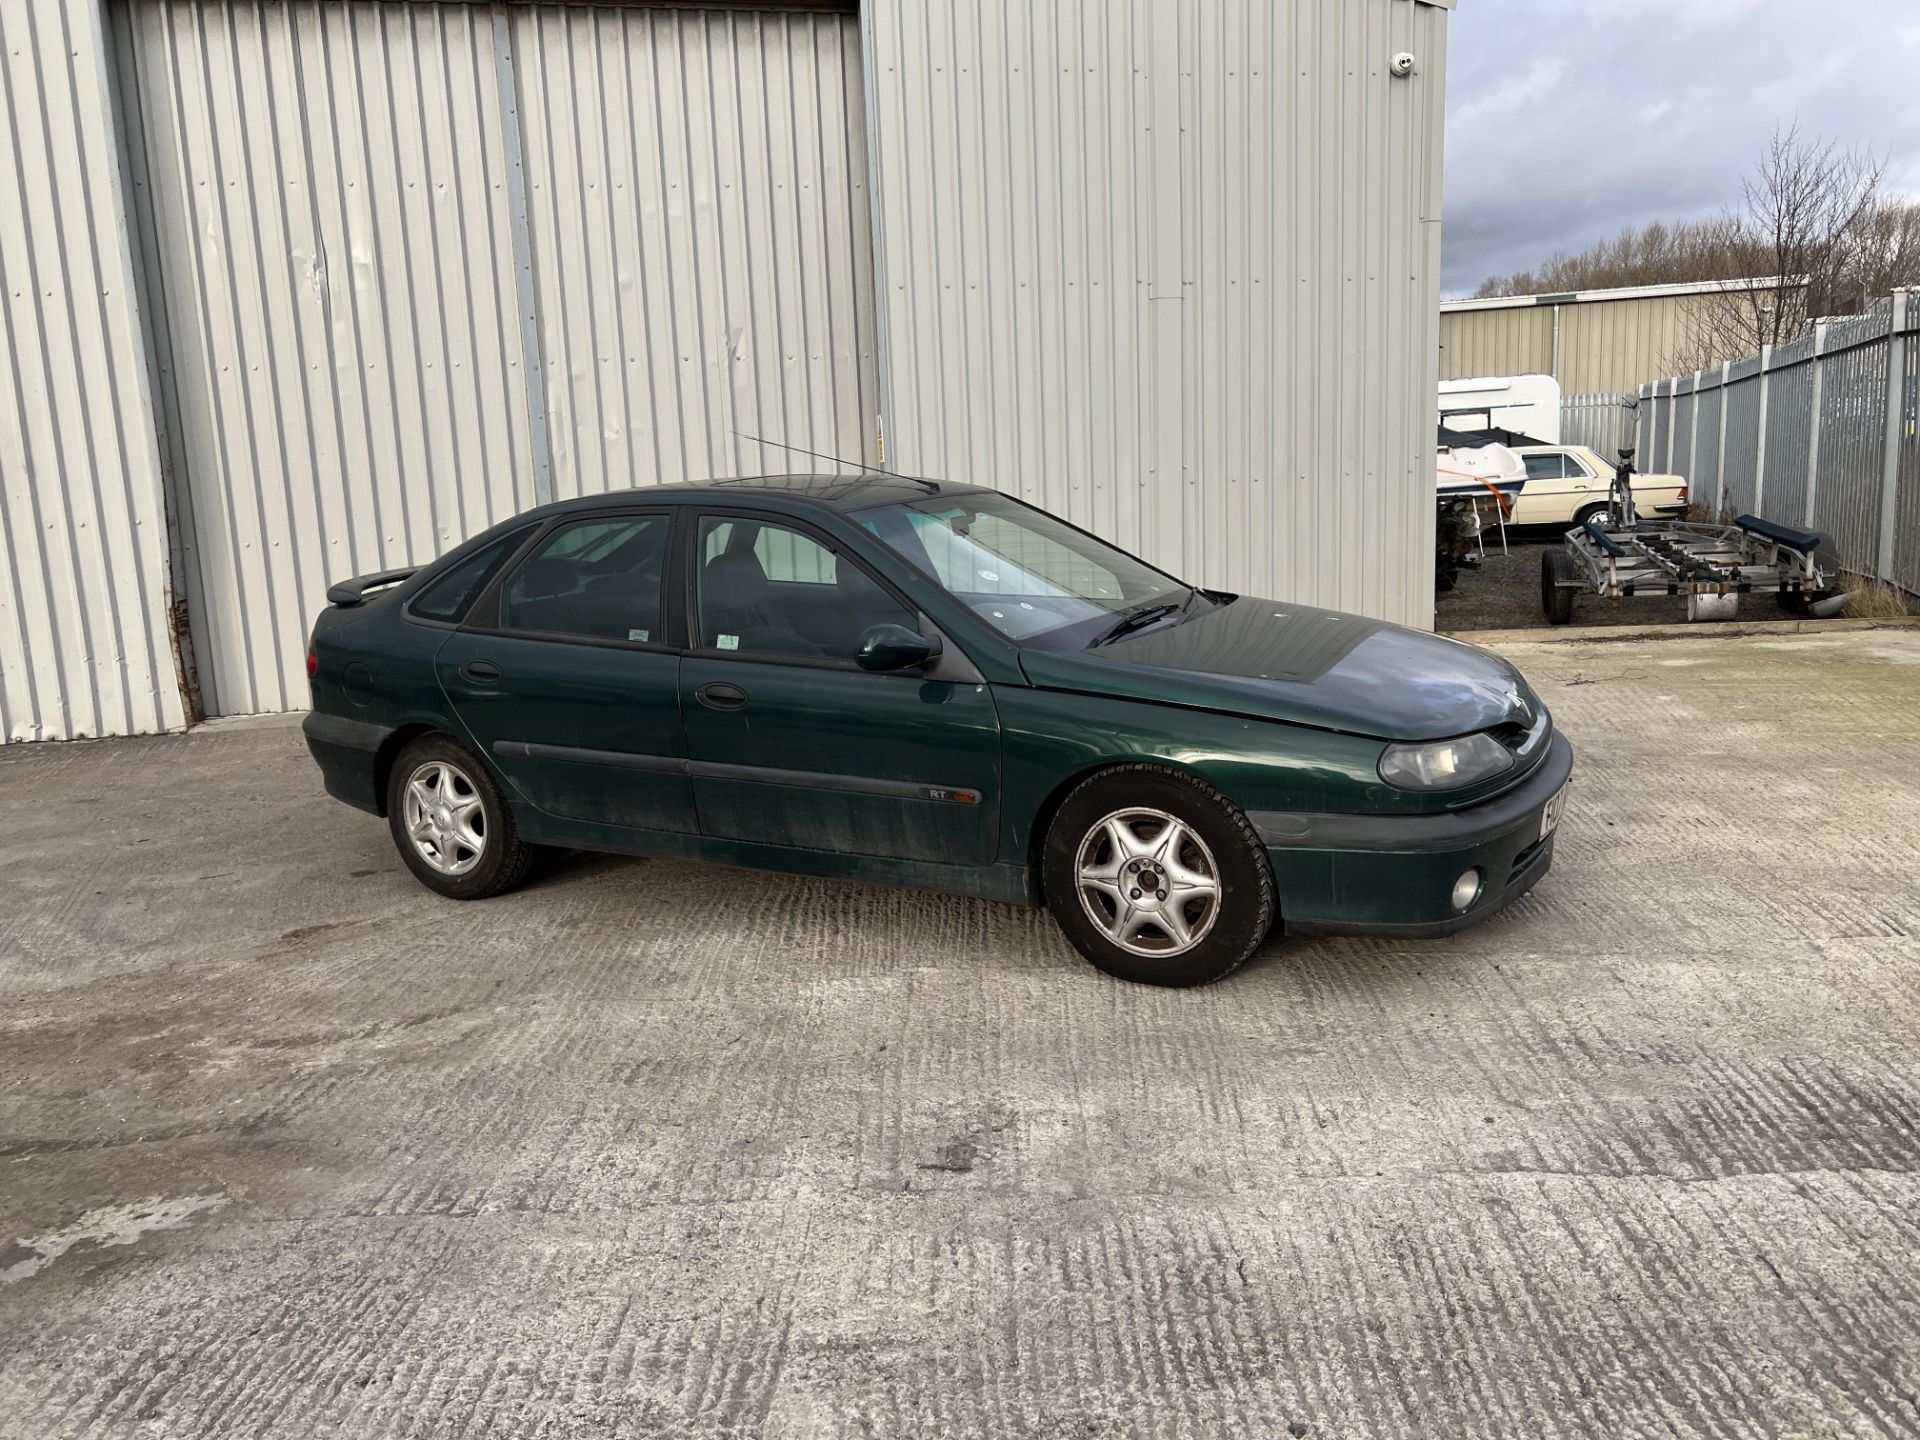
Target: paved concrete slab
[{"x": 290, "y": 1147}]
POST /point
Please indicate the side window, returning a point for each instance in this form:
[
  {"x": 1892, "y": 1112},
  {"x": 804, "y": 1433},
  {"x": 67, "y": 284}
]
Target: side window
[
  {"x": 786, "y": 555},
  {"x": 1545, "y": 467},
  {"x": 598, "y": 579},
  {"x": 449, "y": 597},
  {"x": 1577, "y": 469},
  {"x": 766, "y": 589}
]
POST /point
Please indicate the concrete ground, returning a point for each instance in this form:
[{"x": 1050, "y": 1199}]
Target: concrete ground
[{"x": 289, "y": 1147}]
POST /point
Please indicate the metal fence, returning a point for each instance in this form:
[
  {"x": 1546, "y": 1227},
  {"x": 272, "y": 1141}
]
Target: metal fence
[
  {"x": 1822, "y": 432},
  {"x": 1602, "y": 422}
]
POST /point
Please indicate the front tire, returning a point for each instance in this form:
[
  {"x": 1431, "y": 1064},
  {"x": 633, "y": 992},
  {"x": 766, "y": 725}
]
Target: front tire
[
  {"x": 451, "y": 824},
  {"x": 1157, "y": 877}
]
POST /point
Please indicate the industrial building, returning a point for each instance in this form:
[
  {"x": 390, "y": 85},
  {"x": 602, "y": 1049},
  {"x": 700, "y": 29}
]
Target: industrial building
[
  {"x": 1591, "y": 341},
  {"x": 297, "y": 290}
]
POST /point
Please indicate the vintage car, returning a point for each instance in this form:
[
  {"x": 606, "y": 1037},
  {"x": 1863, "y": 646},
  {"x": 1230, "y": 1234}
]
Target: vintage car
[
  {"x": 935, "y": 685},
  {"x": 1569, "y": 485}
]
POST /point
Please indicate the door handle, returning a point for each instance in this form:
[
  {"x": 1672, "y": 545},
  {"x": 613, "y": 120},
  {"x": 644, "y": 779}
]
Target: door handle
[
  {"x": 718, "y": 695},
  {"x": 481, "y": 672}
]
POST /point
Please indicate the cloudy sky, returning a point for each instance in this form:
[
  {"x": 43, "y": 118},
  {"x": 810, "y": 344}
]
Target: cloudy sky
[{"x": 1568, "y": 119}]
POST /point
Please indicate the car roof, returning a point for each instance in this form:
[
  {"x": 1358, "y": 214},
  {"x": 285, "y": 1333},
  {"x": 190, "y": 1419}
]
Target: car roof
[{"x": 852, "y": 490}]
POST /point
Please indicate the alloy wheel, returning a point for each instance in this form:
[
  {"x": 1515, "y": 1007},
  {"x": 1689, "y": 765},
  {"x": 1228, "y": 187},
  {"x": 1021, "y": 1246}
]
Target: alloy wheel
[
  {"x": 1148, "y": 881},
  {"x": 444, "y": 817}
]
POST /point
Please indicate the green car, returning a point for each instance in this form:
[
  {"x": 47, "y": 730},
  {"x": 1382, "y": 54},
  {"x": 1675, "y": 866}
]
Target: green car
[{"x": 919, "y": 683}]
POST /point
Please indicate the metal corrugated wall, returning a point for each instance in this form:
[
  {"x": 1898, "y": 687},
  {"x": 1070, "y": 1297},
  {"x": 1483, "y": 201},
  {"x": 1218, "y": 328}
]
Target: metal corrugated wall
[
  {"x": 1703, "y": 479},
  {"x": 701, "y": 245},
  {"x": 329, "y": 280},
  {"x": 416, "y": 267},
  {"x": 1170, "y": 269},
  {"x": 1514, "y": 341},
  {"x": 1604, "y": 344},
  {"x": 398, "y": 270},
  {"x": 1853, "y": 437},
  {"x": 1783, "y": 487},
  {"x": 1680, "y": 449},
  {"x": 1603, "y": 422},
  {"x": 1906, "y": 550},
  {"x": 1655, "y": 432},
  {"x": 85, "y": 594},
  {"x": 1743, "y": 436},
  {"x": 1616, "y": 346}
]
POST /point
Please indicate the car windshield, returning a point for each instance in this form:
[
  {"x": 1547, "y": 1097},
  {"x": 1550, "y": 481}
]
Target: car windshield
[{"x": 1028, "y": 575}]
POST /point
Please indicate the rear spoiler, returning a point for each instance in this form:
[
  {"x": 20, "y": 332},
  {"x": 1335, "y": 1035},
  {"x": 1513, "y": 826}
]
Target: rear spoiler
[{"x": 352, "y": 592}]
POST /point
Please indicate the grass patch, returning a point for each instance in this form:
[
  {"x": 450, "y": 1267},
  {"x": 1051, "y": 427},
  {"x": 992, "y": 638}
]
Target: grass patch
[{"x": 1870, "y": 599}]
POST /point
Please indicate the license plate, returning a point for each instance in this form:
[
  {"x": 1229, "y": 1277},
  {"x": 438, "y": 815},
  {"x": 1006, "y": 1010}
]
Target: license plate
[{"x": 1550, "y": 816}]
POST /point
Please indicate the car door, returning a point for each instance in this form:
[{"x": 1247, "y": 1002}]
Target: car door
[
  {"x": 1548, "y": 497},
  {"x": 567, "y": 677},
  {"x": 790, "y": 742}
]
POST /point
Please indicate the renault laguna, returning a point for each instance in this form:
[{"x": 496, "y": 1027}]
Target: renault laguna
[{"x": 920, "y": 683}]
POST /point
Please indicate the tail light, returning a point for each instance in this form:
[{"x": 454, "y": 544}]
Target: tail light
[{"x": 313, "y": 661}]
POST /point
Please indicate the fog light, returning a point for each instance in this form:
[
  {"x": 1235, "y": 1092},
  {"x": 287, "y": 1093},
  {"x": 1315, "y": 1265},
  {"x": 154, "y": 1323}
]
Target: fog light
[{"x": 1466, "y": 889}]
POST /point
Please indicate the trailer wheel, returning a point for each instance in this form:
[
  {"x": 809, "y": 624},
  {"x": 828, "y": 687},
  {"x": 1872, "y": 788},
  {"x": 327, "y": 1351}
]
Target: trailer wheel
[{"x": 1556, "y": 574}]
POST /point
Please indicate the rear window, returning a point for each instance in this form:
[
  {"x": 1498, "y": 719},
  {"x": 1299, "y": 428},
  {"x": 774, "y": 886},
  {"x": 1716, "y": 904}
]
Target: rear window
[{"x": 449, "y": 598}]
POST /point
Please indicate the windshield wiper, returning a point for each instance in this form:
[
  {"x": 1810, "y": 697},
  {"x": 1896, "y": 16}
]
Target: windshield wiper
[{"x": 1136, "y": 620}]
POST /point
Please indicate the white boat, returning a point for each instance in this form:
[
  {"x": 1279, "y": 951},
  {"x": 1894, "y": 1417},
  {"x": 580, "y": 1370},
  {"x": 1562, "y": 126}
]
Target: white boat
[{"x": 1478, "y": 470}]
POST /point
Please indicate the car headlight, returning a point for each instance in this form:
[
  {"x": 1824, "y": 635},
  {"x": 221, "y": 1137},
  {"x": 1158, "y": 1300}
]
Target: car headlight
[{"x": 1444, "y": 764}]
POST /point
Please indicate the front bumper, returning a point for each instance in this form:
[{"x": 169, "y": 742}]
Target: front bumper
[{"x": 1394, "y": 874}]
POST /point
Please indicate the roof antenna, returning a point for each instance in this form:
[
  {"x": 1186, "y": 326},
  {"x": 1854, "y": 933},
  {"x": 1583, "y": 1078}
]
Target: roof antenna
[{"x": 864, "y": 469}]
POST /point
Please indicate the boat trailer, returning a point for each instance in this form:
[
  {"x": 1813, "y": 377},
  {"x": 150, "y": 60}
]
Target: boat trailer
[{"x": 1712, "y": 565}]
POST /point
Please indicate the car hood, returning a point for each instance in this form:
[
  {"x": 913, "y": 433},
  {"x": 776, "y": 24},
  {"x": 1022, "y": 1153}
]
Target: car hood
[{"x": 1278, "y": 661}]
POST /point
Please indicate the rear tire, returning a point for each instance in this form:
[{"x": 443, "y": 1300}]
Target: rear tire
[
  {"x": 1157, "y": 877},
  {"x": 1556, "y": 599},
  {"x": 451, "y": 824}
]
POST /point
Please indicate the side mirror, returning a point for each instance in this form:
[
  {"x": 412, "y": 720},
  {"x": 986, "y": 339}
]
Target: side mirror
[{"x": 895, "y": 647}]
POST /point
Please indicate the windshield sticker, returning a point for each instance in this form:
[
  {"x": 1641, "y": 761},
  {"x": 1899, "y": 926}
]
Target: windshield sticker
[
  {"x": 729, "y": 642},
  {"x": 637, "y": 634}
]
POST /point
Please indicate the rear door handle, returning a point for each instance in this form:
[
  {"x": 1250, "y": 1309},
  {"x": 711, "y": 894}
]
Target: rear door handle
[
  {"x": 481, "y": 672},
  {"x": 718, "y": 695}
]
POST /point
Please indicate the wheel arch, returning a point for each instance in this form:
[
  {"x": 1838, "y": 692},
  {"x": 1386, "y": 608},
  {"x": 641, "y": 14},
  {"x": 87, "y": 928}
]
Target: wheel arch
[
  {"x": 1050, "y": 806},
  {"x": 389, "y": 752}
]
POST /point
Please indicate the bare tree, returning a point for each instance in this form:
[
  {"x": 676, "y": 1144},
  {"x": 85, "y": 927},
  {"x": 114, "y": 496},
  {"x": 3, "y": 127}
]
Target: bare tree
[
  {"x": 1886, "y": 255},
  {"x": 1661, "y": 253},
  {"x": 1802, "y": 226},
  {"x": 1812, "y": 223}
]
